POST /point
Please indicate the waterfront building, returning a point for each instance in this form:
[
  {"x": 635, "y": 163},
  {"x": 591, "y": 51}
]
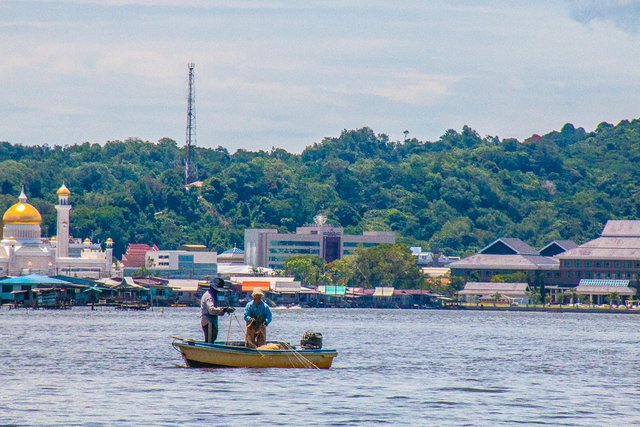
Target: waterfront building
[
  {"x": 508, "y": 256},
  {"x": 194, "y": 263},
  {"x": 24, "y": 251},
  {"x": 599, "y": 291},
  {"x": 615, "y": 255},
  {"x": 481, "y": 292},
  {"x": 266, "y": 247}
]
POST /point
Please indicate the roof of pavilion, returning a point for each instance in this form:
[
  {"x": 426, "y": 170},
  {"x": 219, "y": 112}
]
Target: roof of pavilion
[
  {"x": 604, "y": 287},
  {"x": 506, "y": 262},
  {"x": 489, "y": 288}
]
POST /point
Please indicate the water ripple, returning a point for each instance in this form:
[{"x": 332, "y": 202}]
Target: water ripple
[{"x": 395, "y": 367}]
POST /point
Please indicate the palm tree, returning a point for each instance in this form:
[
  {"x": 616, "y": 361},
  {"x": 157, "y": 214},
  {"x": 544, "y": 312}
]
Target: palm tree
[
  {"x": 614, "y": 298},
  {"x": 496, "y": 298},
  {"x": 533, "y": 296}
]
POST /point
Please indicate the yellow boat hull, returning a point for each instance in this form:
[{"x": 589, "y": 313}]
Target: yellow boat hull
[{"x": 235, "y": 355}]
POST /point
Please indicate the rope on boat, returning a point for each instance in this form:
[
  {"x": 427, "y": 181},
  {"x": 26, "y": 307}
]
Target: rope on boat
[
  {"x": 229, "y": 331},
  {"x": 305, "y": 362},
  {"x": 291, "y": 350}
]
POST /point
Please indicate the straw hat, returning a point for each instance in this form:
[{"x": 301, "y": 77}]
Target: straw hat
[{"x": 257, "y": 291}]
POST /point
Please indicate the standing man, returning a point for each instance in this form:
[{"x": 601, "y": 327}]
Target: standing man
[
  {"x": 257, "y": 315},
  {"x": 210, "y": 311}
]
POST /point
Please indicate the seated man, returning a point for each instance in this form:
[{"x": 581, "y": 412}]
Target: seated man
[{"x": 257, "y": 315}]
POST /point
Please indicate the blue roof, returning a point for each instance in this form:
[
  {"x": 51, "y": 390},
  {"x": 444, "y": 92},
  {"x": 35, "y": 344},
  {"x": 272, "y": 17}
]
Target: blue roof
[{"x": 33, "y": 279}]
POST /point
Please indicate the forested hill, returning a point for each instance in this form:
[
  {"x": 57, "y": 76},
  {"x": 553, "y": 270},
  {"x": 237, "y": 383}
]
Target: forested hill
[{"x": 455, "y": 194}]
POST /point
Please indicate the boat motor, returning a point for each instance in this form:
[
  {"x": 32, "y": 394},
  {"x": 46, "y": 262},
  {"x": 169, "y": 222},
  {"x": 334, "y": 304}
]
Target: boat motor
[{"x": 311, "y": 340}]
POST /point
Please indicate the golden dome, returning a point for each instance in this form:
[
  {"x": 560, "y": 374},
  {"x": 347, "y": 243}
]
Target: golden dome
[
  {"x": 22, "y": 213},
  {"x": 63, "y": 191}
]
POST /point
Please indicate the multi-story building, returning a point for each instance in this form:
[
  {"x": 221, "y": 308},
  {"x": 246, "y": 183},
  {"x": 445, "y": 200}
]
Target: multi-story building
[
  {"x": 266, "y": 247},
  {"x": 134, "y": 258},
  {"x": 182, "y": 264},
  {"x": 615, "y": 255}
]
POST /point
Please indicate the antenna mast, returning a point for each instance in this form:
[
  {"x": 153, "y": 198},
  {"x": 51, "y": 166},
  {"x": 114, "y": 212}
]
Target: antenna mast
[{"x": 191, "y": 126}]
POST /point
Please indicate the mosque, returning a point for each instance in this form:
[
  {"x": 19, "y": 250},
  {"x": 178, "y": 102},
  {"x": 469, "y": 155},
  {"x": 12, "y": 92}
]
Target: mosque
[{"x": 23, "y": 250}]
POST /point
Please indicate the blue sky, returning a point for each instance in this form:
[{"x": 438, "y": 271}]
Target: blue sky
[{"x": 288, "y": 73}]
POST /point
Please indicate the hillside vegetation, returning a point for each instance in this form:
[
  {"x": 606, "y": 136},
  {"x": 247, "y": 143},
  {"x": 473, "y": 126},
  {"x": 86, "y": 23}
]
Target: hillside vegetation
[{"x": 455, "y": 194}]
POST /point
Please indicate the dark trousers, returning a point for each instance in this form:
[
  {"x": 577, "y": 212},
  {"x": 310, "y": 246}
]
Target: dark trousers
[{"x": 210, "y": 331}]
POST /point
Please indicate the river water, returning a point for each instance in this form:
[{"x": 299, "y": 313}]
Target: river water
[{"x": 394, "y": 367}]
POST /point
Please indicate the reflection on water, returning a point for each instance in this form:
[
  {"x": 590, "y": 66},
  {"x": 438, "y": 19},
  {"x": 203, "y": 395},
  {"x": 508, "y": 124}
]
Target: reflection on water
[{"x": 394, "y": 367}]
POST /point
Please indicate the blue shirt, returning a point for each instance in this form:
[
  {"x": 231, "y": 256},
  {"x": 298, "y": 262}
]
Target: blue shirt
[{"x": 261, "y": 313}]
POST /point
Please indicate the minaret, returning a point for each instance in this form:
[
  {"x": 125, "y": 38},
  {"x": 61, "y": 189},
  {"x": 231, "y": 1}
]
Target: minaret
[
  {"x": 63, "y": 207},
  {"x": 108, "y": 255}
]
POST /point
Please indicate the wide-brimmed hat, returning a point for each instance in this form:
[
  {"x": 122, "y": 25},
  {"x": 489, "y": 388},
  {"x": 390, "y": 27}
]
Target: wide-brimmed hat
[
  {"x": 257, "y": 291},
  {"x": 216, "y": 284}
]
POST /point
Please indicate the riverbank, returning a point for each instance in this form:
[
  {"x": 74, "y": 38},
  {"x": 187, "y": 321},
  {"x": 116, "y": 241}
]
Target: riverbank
[{"x": 553, "y": 309}]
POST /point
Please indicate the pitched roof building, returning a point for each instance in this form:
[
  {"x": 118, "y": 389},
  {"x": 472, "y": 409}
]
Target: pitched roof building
[
  {"x": 489, "y": 291},
  {"x": 507, "y": 256},
  {"x": 614, "y": 255}
]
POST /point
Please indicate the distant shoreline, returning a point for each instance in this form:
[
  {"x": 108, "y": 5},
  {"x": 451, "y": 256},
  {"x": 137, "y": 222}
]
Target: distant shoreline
[{"x": 555, "y": 309}]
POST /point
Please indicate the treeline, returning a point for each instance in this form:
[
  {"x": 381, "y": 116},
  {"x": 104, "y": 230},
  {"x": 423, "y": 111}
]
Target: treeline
[{"x": 455, "y": 194}]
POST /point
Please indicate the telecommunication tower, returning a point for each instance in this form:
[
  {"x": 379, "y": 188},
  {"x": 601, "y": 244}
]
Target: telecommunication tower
[{"x": 191, "y": 127}]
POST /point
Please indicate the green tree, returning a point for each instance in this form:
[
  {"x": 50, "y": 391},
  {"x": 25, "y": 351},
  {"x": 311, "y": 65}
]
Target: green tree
[
  {"x": 496, "y": 298},
  {"x": 387, "y": 265},
  {"x": 309, "y": 269},
  {"x": 342, "y": 271}
]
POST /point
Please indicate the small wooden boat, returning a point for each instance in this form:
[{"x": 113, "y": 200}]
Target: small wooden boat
[{"x": 234, "y": 354}]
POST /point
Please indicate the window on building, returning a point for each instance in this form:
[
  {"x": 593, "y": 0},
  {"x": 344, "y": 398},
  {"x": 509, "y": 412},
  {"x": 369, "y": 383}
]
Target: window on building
[
  {"x": 569, "y": 274},
  {"x": 293, "y": 251},
  {"x": 598, "y": 264},
  {"x": 627, "y": 275},
  {"x": 616, "y": 264},
  {"x": 359, "y": 244},
  {"x": 627, "y": 264},
  {"x": 607, "y": 275},
  {"x": 598, "y": 275},
  {"x": 588, "y": 275},
  {"x": 618, "y": 275},
  {"x": 292, "y": 243},
  {"x": 587, "y": 264},
  {"x": 578, "y": 264},
  {"x": 606, "y": 264},
  {"x": 547, "y": 274},
  {"x": 578, "y": 274},
  {"x": 567, "y": 263}
]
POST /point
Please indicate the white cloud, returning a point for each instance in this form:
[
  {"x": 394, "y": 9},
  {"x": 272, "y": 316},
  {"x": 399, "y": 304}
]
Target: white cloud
[{"x": 415, "y": 88}]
